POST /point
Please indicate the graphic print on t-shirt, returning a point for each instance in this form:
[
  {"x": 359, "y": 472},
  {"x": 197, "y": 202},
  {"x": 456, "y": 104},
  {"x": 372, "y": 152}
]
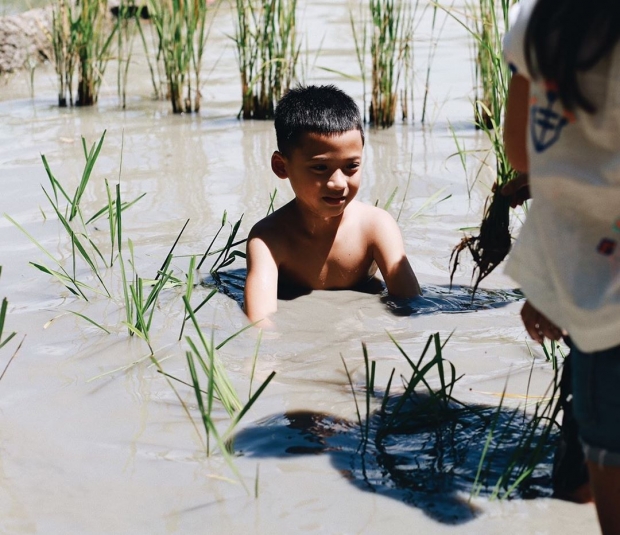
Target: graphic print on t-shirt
[{"x": 547, "y": 122}]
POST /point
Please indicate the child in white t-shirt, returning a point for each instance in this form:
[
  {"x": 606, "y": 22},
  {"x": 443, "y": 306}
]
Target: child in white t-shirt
[{"x": 563, "y": 127}]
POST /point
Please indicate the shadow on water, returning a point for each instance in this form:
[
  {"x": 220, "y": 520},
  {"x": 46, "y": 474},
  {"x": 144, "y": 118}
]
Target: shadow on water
[
  {"x": 435, "y": 298},
  {"x": 432, "y": 465},
  {"x": 422, "y": 446}
]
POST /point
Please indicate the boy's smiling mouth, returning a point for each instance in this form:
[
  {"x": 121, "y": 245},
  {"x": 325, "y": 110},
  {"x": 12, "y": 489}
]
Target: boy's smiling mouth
[{"x": 334, "y": 201}]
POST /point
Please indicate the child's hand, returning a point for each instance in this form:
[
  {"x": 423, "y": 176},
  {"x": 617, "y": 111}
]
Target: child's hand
[
  {"x": 537, "y": 325},
  {"x": 518, "y": 190}
]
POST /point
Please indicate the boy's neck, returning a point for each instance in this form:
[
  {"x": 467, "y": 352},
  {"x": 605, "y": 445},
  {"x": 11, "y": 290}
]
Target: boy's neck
[{"x": 316, "y": 225}]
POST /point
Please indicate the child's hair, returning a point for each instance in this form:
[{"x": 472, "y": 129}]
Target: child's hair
[
  {"x": 565, "y": 37},
  {"x": 319, "y": 109}
]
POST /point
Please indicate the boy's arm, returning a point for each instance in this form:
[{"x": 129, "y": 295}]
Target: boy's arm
[
  {"x": 389, "y": 254},
  {"x": 261, "y": 285}
]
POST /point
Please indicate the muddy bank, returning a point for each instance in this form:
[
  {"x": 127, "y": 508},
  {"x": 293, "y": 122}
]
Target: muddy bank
[{"x": 25, "y": 40}]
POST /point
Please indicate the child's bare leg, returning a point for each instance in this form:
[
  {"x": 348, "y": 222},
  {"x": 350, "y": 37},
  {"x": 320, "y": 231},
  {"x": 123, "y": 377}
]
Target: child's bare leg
[{"x": 605, "y": 483}]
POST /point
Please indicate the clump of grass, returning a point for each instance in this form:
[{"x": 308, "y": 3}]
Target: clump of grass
[
  {"x": 82, "y": 34},
  {"x": 128, "y": 20},
  {"x": 488, "y": 32},
  {"x": 267, "y": 53},
  {"x": 204, "y": 353},
  {"x": 436, "y": 407},
  {"x": 182, "y": 31},
  {"x": 226, "y": 255},
  {"x": 515, "y": 443},
  {"x": 390, "y": 25},
  {"x": 74, "y": 223},
  {"x": 81, "y": 243},
  {"x": 490, "y": 246},
  {"x": 535, "y": 440},
  {"x": 63, "y": 45}
]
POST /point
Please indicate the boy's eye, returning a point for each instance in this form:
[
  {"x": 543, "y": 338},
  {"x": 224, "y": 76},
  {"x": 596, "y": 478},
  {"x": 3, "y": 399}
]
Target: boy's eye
[{"x": 319, "y": 167}]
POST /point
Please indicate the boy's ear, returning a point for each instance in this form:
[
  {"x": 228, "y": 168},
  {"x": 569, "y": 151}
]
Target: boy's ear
[{"x": 278, "y": 164}]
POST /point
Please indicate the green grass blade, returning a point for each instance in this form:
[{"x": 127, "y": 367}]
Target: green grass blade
[{"x": 90, "y": 320}]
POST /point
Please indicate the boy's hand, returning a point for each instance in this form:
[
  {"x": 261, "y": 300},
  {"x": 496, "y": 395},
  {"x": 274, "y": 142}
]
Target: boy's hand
[
  {"x": 537, "y": 325},
  {"x": 518, "y": 189}
]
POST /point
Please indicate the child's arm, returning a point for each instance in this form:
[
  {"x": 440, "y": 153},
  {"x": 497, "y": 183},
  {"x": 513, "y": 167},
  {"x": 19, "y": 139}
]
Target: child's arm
[
  {"x": 515, "y": 122},
  {"x": 389, "y": 254},
  {"x": 537, "y": 325},
  {"x": 261, "y": 285}
]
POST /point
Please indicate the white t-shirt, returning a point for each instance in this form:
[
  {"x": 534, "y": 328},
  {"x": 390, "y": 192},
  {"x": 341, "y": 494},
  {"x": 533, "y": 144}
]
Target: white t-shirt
[{"x": 567, "y": 255}]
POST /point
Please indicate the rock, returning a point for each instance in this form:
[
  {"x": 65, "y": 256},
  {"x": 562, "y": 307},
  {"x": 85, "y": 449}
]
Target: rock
[{"x": 25, "y": 38}]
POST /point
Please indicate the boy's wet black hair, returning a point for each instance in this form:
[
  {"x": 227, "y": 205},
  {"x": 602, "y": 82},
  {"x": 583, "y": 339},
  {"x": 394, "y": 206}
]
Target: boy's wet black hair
[{"x": 319, "y": 109}]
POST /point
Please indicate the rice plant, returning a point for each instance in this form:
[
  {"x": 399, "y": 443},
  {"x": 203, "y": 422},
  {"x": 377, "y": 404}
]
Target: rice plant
[
  {"x": 388, "y": 31},
  {"x": 226, "y": 255},
  {"x": 491, "y": 245},
  {"x": 182, "y": 31},
  {"x": 267, "y": 53},
  {"x": 219, "y": 386},
  {"x": 75, "y": 224},
  {"x": 513, "y": 442},
  {"x": 5, "y": 339},
  {"x": 488, "y": 32},
  {"x": 128, "y": 20},
  {"x": 64, "y": 47},
  {"x": 532, "y": 442},
  {"x": 82, "y": 34}
]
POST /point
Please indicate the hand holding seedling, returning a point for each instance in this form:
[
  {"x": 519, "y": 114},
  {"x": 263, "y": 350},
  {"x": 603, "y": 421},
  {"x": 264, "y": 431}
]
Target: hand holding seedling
[
  {"x": 517, "y": 190},
  {"x": 538, "y": 325}
]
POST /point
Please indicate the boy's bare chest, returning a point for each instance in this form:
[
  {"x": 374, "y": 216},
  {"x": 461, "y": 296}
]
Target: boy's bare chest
[{"x": 341, "y": 263}]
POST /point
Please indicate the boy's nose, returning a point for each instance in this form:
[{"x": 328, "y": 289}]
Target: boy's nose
[{"x": 337, "y": 181}]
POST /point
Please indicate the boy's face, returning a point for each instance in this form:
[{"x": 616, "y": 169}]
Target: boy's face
[{"x": 324, "y": 171}]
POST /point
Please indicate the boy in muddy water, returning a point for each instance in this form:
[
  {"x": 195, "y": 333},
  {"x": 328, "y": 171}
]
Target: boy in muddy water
[{"x": 323, "y": 239}]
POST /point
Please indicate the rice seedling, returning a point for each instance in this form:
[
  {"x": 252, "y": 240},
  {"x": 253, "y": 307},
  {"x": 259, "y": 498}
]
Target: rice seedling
[
  {"x": 267, "y": 53},
  {"x": 488, "y": 33},
  {"x": 81, "y": 243},
  {"x": 226, "y": 254},
  {"x": 182, "y": 31},
  {"x": 359, "y": 27},
  {"x": 93, "y": 39},
  {"x": 5, "y": 339},
  {"x": 82, "y": 34},
  {"x": 535, "y": 441},
  {"x": 143, "y": 304},
  {"x": 512, "y": 448},
  {"x": 204, "y": 356},
  {"x": 390, "y": 26},
  {"x": 70, "y": 282},
  {"x": 189, "y": 289},
  {"x": 128, "y": 20},
  {"x": 491, "y": 245},
  {"x": 432, "y": 49},
  {"x": 5, "y": 304},
  {"x": 63, "y": 45}
]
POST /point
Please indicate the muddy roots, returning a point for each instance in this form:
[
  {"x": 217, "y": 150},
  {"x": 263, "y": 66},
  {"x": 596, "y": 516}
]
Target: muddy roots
[{"x": 491, "y": 245}]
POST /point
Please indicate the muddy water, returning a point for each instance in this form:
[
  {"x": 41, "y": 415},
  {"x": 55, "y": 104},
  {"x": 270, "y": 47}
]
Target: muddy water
[{"x": 90, "y": 443}]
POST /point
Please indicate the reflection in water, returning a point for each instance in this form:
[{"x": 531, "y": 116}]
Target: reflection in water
[
  {"x": 431, "y": 465},
  {"x": 435, "y": 298}
]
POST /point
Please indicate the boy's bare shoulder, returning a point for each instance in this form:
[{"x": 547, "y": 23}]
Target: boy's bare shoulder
[
  {"x": 272, "y": 227},
  {"x": 373, "y": 218}
]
